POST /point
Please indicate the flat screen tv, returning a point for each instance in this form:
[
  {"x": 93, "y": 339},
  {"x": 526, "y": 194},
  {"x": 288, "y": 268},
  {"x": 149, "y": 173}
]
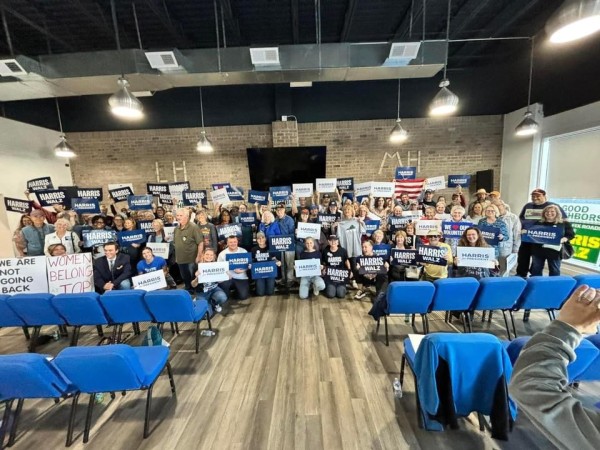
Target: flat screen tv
[{"x": 283, "y": 166}]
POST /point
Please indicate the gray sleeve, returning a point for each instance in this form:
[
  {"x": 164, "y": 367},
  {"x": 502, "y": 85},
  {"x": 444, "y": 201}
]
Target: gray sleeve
[{"x": 539, "y": 386}]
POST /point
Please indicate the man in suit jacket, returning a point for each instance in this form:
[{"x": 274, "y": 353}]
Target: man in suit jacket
[{"x": 113, "y": 270}]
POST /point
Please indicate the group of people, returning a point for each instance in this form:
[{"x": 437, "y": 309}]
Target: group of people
[{"x": 193, "y": 238}]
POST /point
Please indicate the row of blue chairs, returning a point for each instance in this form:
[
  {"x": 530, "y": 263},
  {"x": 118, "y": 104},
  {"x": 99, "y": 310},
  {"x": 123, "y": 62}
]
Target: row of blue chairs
[
  {"x": 114, "y": 308},
  {"x": 80, "y": 370},
  {"x": 465, "y": 295}
]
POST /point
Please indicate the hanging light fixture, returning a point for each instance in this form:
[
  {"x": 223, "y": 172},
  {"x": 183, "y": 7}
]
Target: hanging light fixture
[
  {"x": 445, "y": 102},
  {"x": 528, "y": 125},
  {"x": 204, "y": 145},
  {"x": 575, "y": 19},
  {"x": 398, "y": 134},
  {"x": 123, "y": 103},
  {"x": 62, "y": 149}
]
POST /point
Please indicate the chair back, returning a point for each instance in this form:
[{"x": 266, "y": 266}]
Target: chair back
[
  {"x": 409, "y": 297},
  {"x": 171, "y": 306},
  {"x": 8, "y": 318},
  {"x": 80, "y": 309},
  {"x": 30, "y": 375},
  {"x": 104, "y": 368},
  {"x": 125, "y": 306},
  {"x": 592, "y": 372},
  {"x": 592, "y": 280},
  {"x": 546, "y": 292},
  {"x": 454, "y": 294},
  {"x": 35, "y": 309},
  {"x": 498, "y": 293}
]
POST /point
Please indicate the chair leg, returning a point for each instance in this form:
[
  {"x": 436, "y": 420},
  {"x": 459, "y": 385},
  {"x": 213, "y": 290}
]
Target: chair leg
[
  {"x": 171, "y": 379},
  {"x": 7, "y": 409},
  {"x": 481, "y": 421},
  {"x": 34, "y": 338},
  {"x": 136, "y": 328},
  {"x": 13, "y": 429},
  {"x": 490, "y": 316},
  {"x": 549, "y": 314},
  {"x": 387, "y": 337},
  {"x": 160, "y": 326},
  {"x": 63, "y": 330},
  {"x": 75, "y": 336},
  {"x": 512, "y": 319},
  {"x": 208, "y": 320},
  {"x": 402, "y": 364},
  {"x": 506, "y": 325},
  {"x": 72, "y": 420},
  {"x": 425, "y": 323},
  {"x": 377, "y": 326},
  {"x": 120, "y": 333},
  {"x": 147, "y": 416},
  {"x": 177, "y": 327},
  {"x": 197, "y": 337},
  {"x": 413, "y": 321},
  {"x": 88, "y": 418},
  {"x": 483, "y": 316},
  {"x": 464, "y": 322},
  {"x": 172, "y": 328},
  {"x": 100, "y": 330},
  {"x": 447, "y": 317},
  {"x": 26, "y": 332},
  {"x": 467, "y": 315}
]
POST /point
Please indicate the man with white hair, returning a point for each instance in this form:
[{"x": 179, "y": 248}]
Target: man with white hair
[{"x": 189, "y": 244}]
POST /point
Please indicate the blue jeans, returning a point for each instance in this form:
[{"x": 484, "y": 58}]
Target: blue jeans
[
  {"x": 242, "y": 287},
  {"x": 188, "y": 273},
  {"x": 265, "y": 286},
  {"x": 214, "y": 297},
  {"x": 537, "y": 265},
  {"x": 307, "y": 282},
  {"x": 335, "y": 290},
  {"x": 124, "y": 285}
]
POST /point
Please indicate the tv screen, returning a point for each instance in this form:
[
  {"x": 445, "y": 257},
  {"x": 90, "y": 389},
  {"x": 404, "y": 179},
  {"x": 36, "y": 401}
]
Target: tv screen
[{"x": 283, "y": 166}]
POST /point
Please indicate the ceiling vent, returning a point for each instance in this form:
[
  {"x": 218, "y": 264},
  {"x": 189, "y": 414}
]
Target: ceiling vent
[
  {"x": 266, "y": 56},
  {"x": 401, "y": 53},
  {"x": 11, "y": 68},
  {"x": 162, "y": 60}
]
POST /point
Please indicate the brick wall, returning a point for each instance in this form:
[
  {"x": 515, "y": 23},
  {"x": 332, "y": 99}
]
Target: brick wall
[{"x": 447, "y": 146}]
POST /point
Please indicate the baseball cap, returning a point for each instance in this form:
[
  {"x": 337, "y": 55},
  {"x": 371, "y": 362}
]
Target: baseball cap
[
  {"x": 496, "y": 193},
  {"x": 434, "y": 233},
  {"x": 333, "y": 203},
  {"x": 538, "y": 191},
  {"x": 37, "y": 213},
  {"x": 481, "y": 191},
  {"x": 314, "y": 207},
  {"x": 325, "y": 195},
  {"x": 429, "y": 191},
  {"x": 333, "y": 237}
]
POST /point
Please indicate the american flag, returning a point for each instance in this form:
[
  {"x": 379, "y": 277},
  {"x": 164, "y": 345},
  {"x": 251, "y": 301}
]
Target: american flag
[{"x": 412, "y": 187}]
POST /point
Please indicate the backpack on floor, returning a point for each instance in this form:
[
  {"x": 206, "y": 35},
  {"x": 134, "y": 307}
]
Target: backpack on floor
[{"x": 154, "y": 338}]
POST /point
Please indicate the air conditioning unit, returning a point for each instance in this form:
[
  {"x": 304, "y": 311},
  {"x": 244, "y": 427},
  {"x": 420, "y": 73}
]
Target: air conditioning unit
[
  {"x": 162, "y": 60},
  {"x": 265, "y": 56},
  {"x": 401, "y": 53},
  {"x": 11, "y": 68}
]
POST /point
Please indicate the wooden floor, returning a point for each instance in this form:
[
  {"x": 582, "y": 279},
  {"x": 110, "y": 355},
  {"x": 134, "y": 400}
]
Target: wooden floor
[{"x": 281, "y": 373}]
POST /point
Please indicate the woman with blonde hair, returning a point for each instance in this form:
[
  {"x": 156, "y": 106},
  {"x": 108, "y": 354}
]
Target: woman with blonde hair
[
  {"x": 551, "y": 216},
  {"x": 62, "y": 235}
]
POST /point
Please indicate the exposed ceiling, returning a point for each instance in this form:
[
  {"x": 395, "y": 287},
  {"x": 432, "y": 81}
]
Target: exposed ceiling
[{"x": 55, "y": 30}]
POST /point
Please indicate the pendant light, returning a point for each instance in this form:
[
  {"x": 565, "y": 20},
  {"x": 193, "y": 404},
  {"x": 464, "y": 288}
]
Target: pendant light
[
  {"x": 575, "y": 19},
  {"x": 62, "y": 149},
  {"x": 528, "y": 125},
  {"x": 398, "y": 134},
  {"x": 446, "y": 101},
  {"x": 123, "y": 103},
  {"x": 204, "y": 145}
]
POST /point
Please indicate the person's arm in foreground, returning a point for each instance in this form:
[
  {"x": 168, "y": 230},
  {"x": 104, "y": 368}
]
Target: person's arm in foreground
[{"x": 539, "y": 379}]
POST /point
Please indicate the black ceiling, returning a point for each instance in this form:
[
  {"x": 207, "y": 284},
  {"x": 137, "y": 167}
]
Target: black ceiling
[{"x": 564, "y": 77}]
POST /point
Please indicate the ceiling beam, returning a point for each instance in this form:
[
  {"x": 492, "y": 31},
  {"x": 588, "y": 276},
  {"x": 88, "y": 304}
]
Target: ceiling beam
[
  {"x": 295, "y": 24},
  {"x": 232, "y": 21},
  {"x": 404, "y": 25},
  {"x": 350, "y": 9},
  {"x": 472, "y": 9},
  {"x": 170, "y": 25}
]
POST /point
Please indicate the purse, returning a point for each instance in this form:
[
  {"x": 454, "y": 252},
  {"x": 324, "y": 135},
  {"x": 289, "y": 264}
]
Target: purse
[
  {"x": 413, "y": 272},
  {"x": 566, "y": 251}
]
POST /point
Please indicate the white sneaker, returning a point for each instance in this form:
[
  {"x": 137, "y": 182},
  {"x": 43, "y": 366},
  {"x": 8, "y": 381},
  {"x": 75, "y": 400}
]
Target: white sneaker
[
  {"x": 360, "y": 294},
  {"x": 353, "y": 284},
  {"x": 218, "y": 308},
  {"x": 315, "y": 290}
]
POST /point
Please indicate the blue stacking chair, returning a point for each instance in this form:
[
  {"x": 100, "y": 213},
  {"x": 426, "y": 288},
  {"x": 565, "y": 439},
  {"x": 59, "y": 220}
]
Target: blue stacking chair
[
  {"x": 408, "y": 297},
  {"x": 111, "y": 368},
  {"x": 35, "y": 310},
  {"x": 473, "y": 389},
  {"x": 80, "y": 310},
  {"x": 499, "y": 293},
  {"x": 178, "y": 306},
  {"x": 455, "y": 294},
  {"x": 592, "y": 372},
  {"x": 592, "y": 280},
  {"x": 8, "y": 318},
  {"x": 27, "y": 376},
  {"x": 126, "y": 306},
  {"x": 586, "y": 355},
  {"x": 547, "y": 293}
]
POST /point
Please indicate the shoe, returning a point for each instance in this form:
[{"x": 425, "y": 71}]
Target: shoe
[
  {"x": 218, "y": 308},
  {"x": 360, "y": 294},
  {"x": 353, "y": 284},
  {"x": 315, "y": 290}
]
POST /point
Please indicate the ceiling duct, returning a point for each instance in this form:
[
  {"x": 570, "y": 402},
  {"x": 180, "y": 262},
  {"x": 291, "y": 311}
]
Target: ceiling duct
[
  {"x": 95, "y": 73},
  {"x": 162, "y": 61},
  {"x": 11, "y": 68},
  {"x": 402, "y": 53},
  {"x": 266, "y": 58}
]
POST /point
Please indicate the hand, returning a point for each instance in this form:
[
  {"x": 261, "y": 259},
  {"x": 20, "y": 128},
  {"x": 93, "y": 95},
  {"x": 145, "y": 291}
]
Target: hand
[
  {"x": 109, "y": 286},
  {"x": 278, "y": 263},
  {"x": 582, "y": 310},
  {"x": 27, "y": 194},
  {"x": 501, "y": 237},
  {"x": 563, "y": 240},
  {"x": 523, "y": 231}
]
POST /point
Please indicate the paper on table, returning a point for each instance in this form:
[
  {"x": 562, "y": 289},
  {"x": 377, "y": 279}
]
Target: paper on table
[{"x": 415, "y": 340}]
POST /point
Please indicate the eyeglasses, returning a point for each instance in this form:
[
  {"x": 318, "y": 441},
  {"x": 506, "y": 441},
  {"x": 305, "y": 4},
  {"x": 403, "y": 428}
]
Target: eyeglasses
[{"x": 434, "y": 237}]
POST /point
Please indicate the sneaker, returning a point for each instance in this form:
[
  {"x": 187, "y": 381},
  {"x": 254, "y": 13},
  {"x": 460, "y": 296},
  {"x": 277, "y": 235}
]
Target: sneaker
[
  {"x": 353, "y": 284},
  {"x": 360, "y": 294},
  {"x": 218, "y": 308},
  {"x": 315, "y": 290}
]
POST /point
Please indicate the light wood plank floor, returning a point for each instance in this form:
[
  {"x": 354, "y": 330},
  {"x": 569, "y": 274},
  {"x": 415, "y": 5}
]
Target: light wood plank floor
[{"x": 281, "y": 373}]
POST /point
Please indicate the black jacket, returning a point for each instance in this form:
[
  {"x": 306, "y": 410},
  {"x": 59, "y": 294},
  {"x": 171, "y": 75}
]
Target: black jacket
[{"x": 102, "y": 274}]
